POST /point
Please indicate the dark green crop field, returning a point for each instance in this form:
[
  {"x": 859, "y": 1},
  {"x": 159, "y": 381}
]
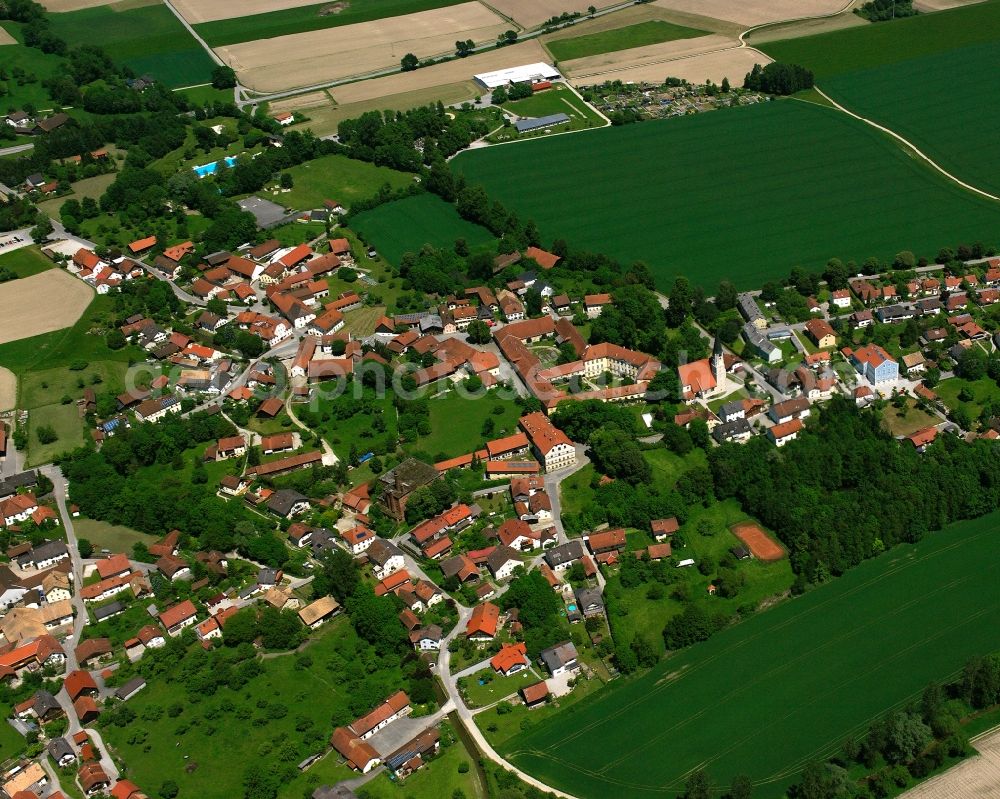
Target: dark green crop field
[
  {"x": 930, "y": 78},
  {"x": 148, "y": 39},
  {"x": 787, "y": 686},
  {"x": 407, "y": 225},
  {"x": 744, "y": 194},
  {"x": 308, "y": 18},
  {"x": 610, "y": 41}
]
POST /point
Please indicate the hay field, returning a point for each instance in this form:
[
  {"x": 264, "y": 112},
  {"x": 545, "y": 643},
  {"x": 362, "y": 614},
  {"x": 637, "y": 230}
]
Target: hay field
[
  {"x": 532, "y": 13},
  {"x": 198, "y": 11},
  {"x": 8, "y": 389},
  {"x": 304, "y": 59},
  {"x": 41, "y": 303},
  {"x": 753, "y": 12},
  {"x": 450, "y": 72},
  {"x": 673, "y": 59},
  {"x": 977, "y": 776},
  {"x": 787, "y": 686}
]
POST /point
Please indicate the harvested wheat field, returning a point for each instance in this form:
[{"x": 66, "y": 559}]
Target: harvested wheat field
[
  {"x": 640, "y": 56},
  {"x": 198, "y": 11},
  {"x": 300, "y": 102},
  {"x": 8, "y": 390},
  {"x": 6, "y": 38},
  {"x": 670, "y": 59},
  {"x": 532, "y": 13},
  {"x": 978, "y": 776},
  {"x": 446, "y": 74},
  {"x": 59, "y": 6},
  {"x": 41, "y": 303},
  {"x": 754, "y": 12},
  {"x": 304, "y": 59}
]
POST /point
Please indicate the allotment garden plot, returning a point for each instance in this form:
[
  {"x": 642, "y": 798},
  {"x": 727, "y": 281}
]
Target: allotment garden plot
[
  {"x": 785, "y": 687},
  {"x": 744, "y": 194}
]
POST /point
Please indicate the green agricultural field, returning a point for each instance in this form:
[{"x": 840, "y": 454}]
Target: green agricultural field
[
  {"x": 207, "y": 94},
  {"x": 749, "y": 211},
  {"x": 610, "y": 41},
  {"x": 308, "y": 18},
  {"x": 787, "y": 686},
  {"x": 407, "y": 225},
  {"x": 25, "y": 262},
  {"x": 339, "y": 178},
  {"x": 147, "y": 39},
  {"x": 924, "y": 77}
]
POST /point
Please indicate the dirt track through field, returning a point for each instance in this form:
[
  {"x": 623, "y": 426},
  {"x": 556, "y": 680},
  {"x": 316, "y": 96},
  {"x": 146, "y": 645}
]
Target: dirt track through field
[
  {"x": 8, "y": 390},
  {"x": 733, "y": 63},
  {"x": 303, "y": 59},
  {"x": 976, "y": 777},
  {"x": 441, "y": 74},
  {"x": 41, "y": 303},
  {"x": 198, "y": 11},
  {"x": 532, "y": 13},
  {"x": 753, "y": 12}
]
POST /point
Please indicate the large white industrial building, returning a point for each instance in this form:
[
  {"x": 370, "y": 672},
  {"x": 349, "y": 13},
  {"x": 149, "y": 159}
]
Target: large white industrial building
[{"x": 529, "y": 73}]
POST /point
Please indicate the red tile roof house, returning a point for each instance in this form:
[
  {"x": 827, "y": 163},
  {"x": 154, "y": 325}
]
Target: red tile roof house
[
  {"x": 176, "y": 618},
  {"x": 482, "y": 624},
  {"x": 510, "y": 659}
]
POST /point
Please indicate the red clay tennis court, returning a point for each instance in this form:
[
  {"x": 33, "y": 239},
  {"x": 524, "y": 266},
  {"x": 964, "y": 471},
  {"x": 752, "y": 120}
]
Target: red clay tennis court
[{"x": 760, "y": 543}]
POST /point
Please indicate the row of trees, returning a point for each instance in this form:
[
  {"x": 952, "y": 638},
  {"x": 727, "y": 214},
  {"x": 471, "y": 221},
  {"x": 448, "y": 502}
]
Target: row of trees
[{"x": 778, "y": 78}]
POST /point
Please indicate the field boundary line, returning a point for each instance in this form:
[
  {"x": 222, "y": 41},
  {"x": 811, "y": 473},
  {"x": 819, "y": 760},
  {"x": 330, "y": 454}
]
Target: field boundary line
[{"x": 907, "y": 144}]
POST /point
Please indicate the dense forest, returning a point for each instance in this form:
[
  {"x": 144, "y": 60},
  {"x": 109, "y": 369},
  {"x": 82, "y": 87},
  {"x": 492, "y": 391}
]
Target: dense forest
[{"x": 845, "y": 490}]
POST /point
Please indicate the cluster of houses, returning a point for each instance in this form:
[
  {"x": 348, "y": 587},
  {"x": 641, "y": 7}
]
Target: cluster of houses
[
  {"x": 28, "y": 780},
  {"x": 634, "y": 369}
]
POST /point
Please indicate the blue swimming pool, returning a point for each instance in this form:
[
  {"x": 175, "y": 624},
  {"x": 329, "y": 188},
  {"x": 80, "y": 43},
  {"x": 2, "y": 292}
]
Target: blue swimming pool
[
  {"x": 209, "y": 169},
  {"x": 571, "y": 608}
]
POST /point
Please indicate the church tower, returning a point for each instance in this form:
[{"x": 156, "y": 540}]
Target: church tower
[{"x": 718, "y": 364}]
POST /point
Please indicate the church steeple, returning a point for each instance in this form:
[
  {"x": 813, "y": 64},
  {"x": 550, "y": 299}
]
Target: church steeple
[{"x": 718, "y": 363}]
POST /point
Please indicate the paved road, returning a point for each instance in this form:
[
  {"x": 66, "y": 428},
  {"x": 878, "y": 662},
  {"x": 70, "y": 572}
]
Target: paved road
[
  {"x": 59, "y": 489},
  {"x": 553, "y": 480},
  {"x": 17, "y": 148}
]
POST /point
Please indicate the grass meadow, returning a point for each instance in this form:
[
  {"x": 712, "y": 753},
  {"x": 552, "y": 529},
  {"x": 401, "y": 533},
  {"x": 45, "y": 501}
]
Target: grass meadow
[
  {"x": 925, "y": 77},
  {"x": 339, "y": 178},
  {"x": 112, "y": 537},
  {"x": 610, "y": 41},
  {"x": 25, "y": 262},
  {"x": 148, "y": 39},
  {"x": 407, "y": 225},
  {"x": 793, "y": 682},
  {"x": 37, "y": 66},
  {"x": 744, "y": 194},
  {"x": 457, "y": 424},
  {"x": 201, "y": 759},
  {"x": 308, "y": 18}
]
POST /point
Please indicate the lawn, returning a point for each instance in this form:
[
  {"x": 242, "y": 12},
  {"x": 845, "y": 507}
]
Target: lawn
[
  {"x": 25, "y": 262},
  {"x": 764, "y": 201},
  {"x": 337, "y": 177},
  {"x": 495, "y": 687},
  {"x": 110, "y": 536},
  {"x": 799, "y": 679},
  {"x": 67, "y": 424},
  {"x": 36, "y": 66},
  {"x": 203, "y": 95},
  {"x": 88, "y": 187},
  {"x": 206, "y": 759},
  {"x": 147, "y": 39},
  {"x": 457, "y": 424},
  {"x": 924, "y": 77},
  {"x": 11, "y": 742},
  {"x": 557, "y": 100},
  {"x": 308, "y": 18},
  {"x": 908, "y": 420},
  {"x": 610, "y": 41},
  {"x": 407, "y": 225},
  {"x": 983, "y": 391},
  {"x": 439, "y": 778}
]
